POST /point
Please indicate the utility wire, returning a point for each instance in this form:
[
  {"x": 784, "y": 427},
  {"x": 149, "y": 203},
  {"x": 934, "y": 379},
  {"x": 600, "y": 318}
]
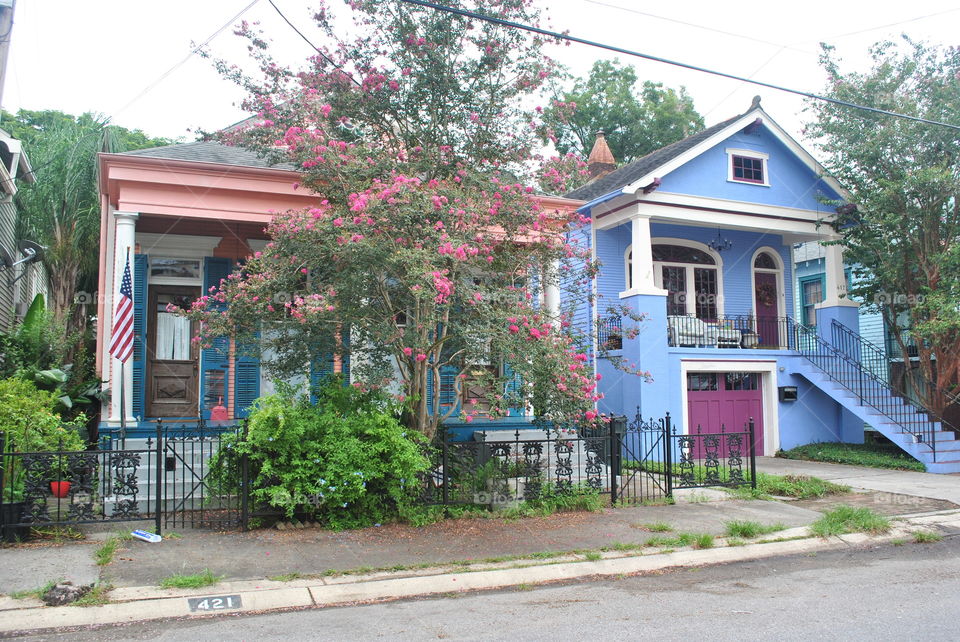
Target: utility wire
[
  {"x": 583, "y": 41},
  {"x": 172, "y": 69},
  {"x": 315, "y": 48}
]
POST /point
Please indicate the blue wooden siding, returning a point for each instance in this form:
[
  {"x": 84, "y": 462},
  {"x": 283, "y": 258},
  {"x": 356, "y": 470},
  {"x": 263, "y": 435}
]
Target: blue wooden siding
[{"x": 792, "y": 184}]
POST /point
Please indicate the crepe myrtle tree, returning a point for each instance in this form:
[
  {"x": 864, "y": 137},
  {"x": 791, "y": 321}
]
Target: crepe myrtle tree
[{"x": 426, "y": 249}]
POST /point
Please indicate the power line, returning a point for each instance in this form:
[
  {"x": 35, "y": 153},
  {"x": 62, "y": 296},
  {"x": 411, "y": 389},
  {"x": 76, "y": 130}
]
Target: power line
[
  {"x": 699, "y": 26},
  {"x": 583, "y": 41},
  {"x": 315, "y": 48},
  {"x": 172, "y": 69}
]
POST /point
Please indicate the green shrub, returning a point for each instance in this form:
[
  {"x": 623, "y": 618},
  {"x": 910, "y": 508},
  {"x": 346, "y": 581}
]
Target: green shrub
[
  {"x": 30, "y": 424},
  {"x": 344, "y": 461}
]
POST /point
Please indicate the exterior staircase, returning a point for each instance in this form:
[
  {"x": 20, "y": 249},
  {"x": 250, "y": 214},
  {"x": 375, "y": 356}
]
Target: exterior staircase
[{"x": 846, "y": 370}]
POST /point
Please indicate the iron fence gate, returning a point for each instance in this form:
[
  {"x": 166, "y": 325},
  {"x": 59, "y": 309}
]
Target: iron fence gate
[{"x": 186, "y": 475}]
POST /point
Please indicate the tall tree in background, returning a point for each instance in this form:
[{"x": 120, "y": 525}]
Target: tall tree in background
[
  {"x": 636, "y": 122},
  {"x": 61, "y": 210},
  {"x": 903, "y": 239}
]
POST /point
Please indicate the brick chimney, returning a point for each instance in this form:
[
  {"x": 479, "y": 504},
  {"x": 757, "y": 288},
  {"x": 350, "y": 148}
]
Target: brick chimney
[{"x": 601, "y": 161}]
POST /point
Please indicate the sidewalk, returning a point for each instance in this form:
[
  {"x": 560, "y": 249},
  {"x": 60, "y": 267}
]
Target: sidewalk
[{"x": 315, "y": 567}]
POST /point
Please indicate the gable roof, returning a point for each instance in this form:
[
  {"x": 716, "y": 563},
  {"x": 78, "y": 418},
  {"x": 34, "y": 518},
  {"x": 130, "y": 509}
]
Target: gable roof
[
  {"x": 208, "y": 151},
  {"x": 642, "y": 166},
  {"x": 632, "y": 177}
]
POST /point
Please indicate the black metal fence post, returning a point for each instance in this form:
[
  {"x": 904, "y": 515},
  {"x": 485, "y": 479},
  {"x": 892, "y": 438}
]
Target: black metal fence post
[
  {"x": 668, "y": 454},
  {"x": 445, "y": 475},
  {"x": 753, "y": 456},
  {"x": 3, "y": 462},
  {"x": 158, "y": 491},
  {"x": 244, "y": 491},
  {"x": 613, "y": 464}
]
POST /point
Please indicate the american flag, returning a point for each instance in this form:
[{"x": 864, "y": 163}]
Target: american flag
[{"x": 121, "y": 344}]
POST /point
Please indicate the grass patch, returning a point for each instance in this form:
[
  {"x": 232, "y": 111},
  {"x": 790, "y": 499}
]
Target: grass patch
[
  {"x": 37, "y": 593},
  {"x": 898, "y": 542},
  {"x": 592, "y": 556},
  {"x": 196, "y": 580},
  {"x": 735, "y": 541},
  {"x": 796, "y": 486},
  {"x": 749, "y": 530},
  {"x": 523, "y": 587},
  {"x": 847, "y": 519},
  {"x": 926, "y": 537},
  {"x": 704, "y": 540},
  {"x": 104, "y": 554},
  {"x": 96, "y": 596},
  {"x": 872, "y": 455},
  {"x": 288, "y": 577},
  {"x": 655, "y": 527},
  {"x": 701, "y": 540}
]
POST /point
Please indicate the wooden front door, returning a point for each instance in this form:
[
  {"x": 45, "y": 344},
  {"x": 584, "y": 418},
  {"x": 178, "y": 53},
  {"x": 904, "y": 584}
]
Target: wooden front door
[
  {"x": 173, "y": 359},
  {"x": 767, "y": 296}
]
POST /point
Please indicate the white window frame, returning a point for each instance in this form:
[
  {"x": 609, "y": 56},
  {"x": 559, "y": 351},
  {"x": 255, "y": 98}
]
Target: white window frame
[
  {"x": 691, "y": 301},
  {"x": 748, "y": 153}
]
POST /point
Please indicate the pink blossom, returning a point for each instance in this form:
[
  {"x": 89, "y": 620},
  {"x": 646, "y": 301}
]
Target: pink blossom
[
  {"x": 590, "y": 415},
  {"x": 514, "y": 329},
  {"x": 338, "y": 222},
  {"x": 421, "y": 357},
  {"x": 408, "y": 351}
]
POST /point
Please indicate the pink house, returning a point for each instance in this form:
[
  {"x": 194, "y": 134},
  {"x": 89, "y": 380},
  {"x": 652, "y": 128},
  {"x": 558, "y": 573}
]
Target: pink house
[{"x": 187, "y": 214}]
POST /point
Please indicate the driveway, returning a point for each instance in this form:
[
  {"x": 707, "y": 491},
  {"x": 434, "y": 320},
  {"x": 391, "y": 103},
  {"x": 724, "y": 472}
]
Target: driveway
[{"x": 903, "y": 482}]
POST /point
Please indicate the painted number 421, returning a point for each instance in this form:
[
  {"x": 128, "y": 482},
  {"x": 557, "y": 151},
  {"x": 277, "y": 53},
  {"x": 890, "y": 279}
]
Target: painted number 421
[{"x": 220, "y": 603}]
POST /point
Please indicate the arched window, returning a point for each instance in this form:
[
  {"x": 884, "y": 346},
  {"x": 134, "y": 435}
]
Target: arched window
[
  {"x": 765, "y": 262},
  {"x": 690, "y": 275}
]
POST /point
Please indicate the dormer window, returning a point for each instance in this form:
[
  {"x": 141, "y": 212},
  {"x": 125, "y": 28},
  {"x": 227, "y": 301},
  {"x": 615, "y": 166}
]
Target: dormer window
[{"x": 747, "y": 166}]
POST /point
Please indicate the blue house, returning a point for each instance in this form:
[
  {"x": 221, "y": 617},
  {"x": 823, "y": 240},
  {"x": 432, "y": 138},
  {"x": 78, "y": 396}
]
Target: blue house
[{"x": 698, "y": 238}]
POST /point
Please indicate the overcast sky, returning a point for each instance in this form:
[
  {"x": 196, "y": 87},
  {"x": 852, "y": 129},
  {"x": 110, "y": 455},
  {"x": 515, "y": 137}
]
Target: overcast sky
[{"x": 108, "y": 56}]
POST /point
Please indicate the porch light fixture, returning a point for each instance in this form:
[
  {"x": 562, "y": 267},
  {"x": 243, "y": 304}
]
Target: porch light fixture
[{"x": 719, "y": 244}]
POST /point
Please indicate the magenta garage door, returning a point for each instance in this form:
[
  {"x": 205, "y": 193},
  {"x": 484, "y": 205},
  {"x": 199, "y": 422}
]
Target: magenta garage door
[{"x": 729, "y": 399}]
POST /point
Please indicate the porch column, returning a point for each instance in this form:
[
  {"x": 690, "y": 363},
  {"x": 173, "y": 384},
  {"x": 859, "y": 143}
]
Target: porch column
[
  {"x": 835, "y": 304},
  {"x": 641, "y": 264},
  {"x": 125, "y": 239},
  {"x": 551, "y": 292}
]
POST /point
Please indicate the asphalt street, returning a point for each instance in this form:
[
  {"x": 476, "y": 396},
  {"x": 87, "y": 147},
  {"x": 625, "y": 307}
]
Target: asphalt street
[{"x": 878, "y": 593}]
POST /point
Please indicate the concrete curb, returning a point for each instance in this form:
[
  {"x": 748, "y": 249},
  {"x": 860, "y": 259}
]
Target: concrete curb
[{"x": 144, "y": 603}]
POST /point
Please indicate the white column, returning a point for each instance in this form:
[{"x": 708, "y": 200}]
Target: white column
[
  {"x": 641, "y": 264},
  {"x": 836, "y": 286},
  {"x": 125, "y": 239},
  {"x": 551, "y": 291}
]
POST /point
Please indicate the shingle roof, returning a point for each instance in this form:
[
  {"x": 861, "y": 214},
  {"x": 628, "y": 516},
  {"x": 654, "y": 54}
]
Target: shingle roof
[
  {"x": 643, "y": 166},
  {"x": 209, "y": 152}
]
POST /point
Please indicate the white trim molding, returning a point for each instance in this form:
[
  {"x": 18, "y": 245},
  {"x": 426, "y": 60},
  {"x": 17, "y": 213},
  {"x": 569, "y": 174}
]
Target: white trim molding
[
  {"x": 178, "y": 246},
  {"x": 768, "y": 372}
]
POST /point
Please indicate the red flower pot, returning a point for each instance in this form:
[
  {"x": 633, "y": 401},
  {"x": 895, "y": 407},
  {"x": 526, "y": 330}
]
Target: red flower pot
[{"x": 60, "y": 489}]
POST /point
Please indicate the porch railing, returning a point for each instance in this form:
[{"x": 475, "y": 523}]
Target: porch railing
[{"x": 729, "y": 331}]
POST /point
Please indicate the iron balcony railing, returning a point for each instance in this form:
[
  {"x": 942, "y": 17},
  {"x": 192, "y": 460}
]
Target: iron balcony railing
[
  {"x": 844, "y": 367},
  {"x": 729, "y": 331}
]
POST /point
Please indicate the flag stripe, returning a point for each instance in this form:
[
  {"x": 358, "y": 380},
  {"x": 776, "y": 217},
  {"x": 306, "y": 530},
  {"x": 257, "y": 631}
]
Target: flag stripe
[{"x": 121, "y": 343}]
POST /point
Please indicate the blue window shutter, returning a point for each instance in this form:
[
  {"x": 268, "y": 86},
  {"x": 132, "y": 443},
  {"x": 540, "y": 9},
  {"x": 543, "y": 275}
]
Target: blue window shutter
[
  {"x": 448, "y": 390},
  {"x": 512, "y": 387},
  {"x": 139, "y": 334},
  {"x": 246, "y": 381},
  {"x": 215, "y": 360},
  {"x": 320, "y": 369}
]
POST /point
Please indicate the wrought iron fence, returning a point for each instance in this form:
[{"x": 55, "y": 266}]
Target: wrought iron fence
[
  {"x": 173, "y": 478},
  {"x": 503, "y": 469},
  {"x": 610, "y": 333},
  {"x": 63, "y": 487},
  {"x": 728, "y": 331},
  {"x": 631, "y": 463}
]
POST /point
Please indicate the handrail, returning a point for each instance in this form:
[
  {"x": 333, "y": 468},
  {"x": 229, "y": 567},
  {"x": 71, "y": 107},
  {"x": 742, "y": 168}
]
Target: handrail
[
  {"x": 845, "y": 335},
  {"x": 870, "y": 389}
]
